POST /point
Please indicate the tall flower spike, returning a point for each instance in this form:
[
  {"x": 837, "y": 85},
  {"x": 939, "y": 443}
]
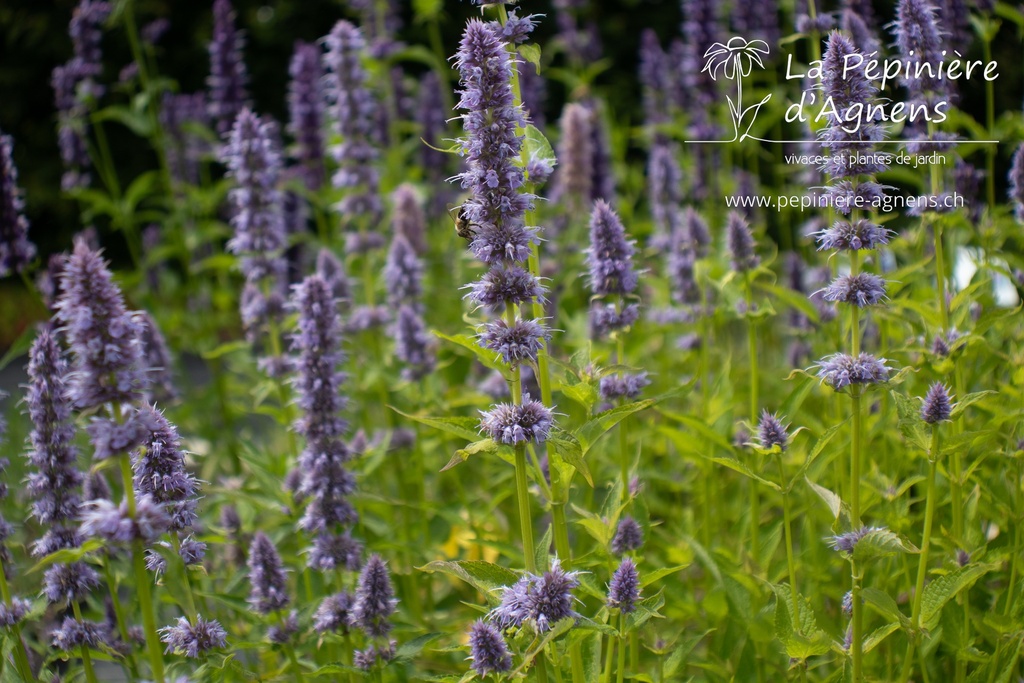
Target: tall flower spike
[
  {"x": 408, "y": 218},
  {"x": 938, "y": 405},
  {"x": 269, "y": 592},
  {"x": 624, "y": 589},
  {"x": 413, "y": 344},
  {"x": 920, "y": 46},
  {"x": 374, "y": 600},
  {"x": 86, "y": 35},
  {"x": 193, "y": 640},
  {"x": 103, "y": 336},
  {"x": 610, "y": 256},
  {"x": 488, "y": 649},
  {"x": 741, "y": 243},
  {"x": 403, "y": 273},
  {"x": 1016, "y": 178},
  {"x": 16, "y": 251},
  {"x": 629, "y": 536},
  {"x": 771, "y": 432},
  {"x": 306, "y": 113},
  {"x": 160, "y": 472},
  {"x": 575, "y": 156},
  {"x": 352, "y": 112},
  {"x": 228, "y": 80}
]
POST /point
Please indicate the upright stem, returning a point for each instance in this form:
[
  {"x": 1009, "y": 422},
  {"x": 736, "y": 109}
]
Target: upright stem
[
  {"x": 156, "y": 659},
  {"x": 624, "y": 457},
  {"x": 855, "y": 439},
  {"x": 122, "y": 624},
  {"x": 755, "y": 504},
  {"x": 621, "y": 670},
  {"x": 90, "y": 673},
  {"x": 525, "y": 519},
  {"x": 20, "y": 658},
  {"x": 857, "y": 644},
  {"x": 788, "y": 529}
]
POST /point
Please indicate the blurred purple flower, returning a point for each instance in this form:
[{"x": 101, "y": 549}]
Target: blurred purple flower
[{"x": 228, "y": 80}]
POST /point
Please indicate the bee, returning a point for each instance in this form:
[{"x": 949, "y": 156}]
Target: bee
[{"x": 464, "y": 227}]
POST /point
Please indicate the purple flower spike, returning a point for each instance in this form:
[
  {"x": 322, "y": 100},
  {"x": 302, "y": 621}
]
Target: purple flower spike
[
  {"x": 74, "y": 634},
  {"x": 509, "y": 423},
  {"x": 103, "y": 336},
  {"x": 517, "y": 343},
  {"x": 938, "y": 405},
  {"x": 16, "y": 251},
  {"x": 488, "y": 649},
  {"x": 629, "y": 536},
  {"x": 306, "y": 113},
  {"x": 413, "y": 344},
  {"x": 193, "y": 640},
  {"x": 741, "y": 243},
  {"x": 847, "y": 542},
  {"x": 374, "y": 599},
  {"x": 334, "y": 615},
  {"x": 920, "y": 45},
  {"x": 403, "y": 273},
  {"x": 624, "y": 589},
  {"x": 269, "y": 591},
  {"x": 506, "y": 284},
  {"x": 228, "y": 80},
  {"x": 853, "y": 236},
  {"x": 862, "y": 289},
  {"x": 575, "y": 155},
  {"x": 610, "y": 256},
  {"x": 352, "y": 113},
  {"x": 1016, "y": 178},
  {"x": 160, "y": 471},
  {"x": 771, "y": 432},
  {"x": 841, "y": 370},
  {"x": 626, "y": 385},
  {"x": 408, "y": 218}
]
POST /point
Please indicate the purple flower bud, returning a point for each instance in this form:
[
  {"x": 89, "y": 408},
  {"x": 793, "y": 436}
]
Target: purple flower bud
[
  {"x": 16, "y": 251},
  {"x": 575, "y": 156},
  {"x": 55, "y": 481},
  {"x": 413, "y": 345},
  {"x": 228, "y": 80},
  {"x": 488, "y": 649},
  {"x": 86, "y": 34},
  {"x": 193, "y": 640},
  {"x": 334, "y": 615},
  {"x": 822, "y": 22},
  {"x": 408, "y": 218},
  {"x": 517, "y": 343},
  {"x": 862, "y": 289},
  {"x": 551, "y": 599},
  {"x": 937, "y": 405},
  {"x": 741, "y": 243},
  {"x": 72, "y": 124},
  {"x": 367, "y": 658},
  {"x": 282, "y": 633},
  {"x": 374, "y": 599},
  {"x": 606, "y": 318},
  {"x": 624, "y": 589},
  {"x": 13, "y": 613},
  {"x": 853, "y": 236},
  {"x": 74, "y": 634},
  {"x": 352, "y": 111},
  {"x": 848, "y": 603},
  {"x": 1016, "y": 178},
  {"x": 335, "y": 551},
  {"x": 610, "y": 256},
  {"x": 771, "y": 432},
  {"x": 625, "y": 385},
  {"x": 629, "y": 536},
  {"x": 506, "y": 284},
  {"x": 306, "y": 113},
  {"x": 847, "y": 542},
  {"x": 65, "y": 583},
  {"x": 364, "y": 318},
  {"x": 433, "y": 127},
  {"x": 509, "y": 423},
  {"x": 920, "y": 46},
  {"x": 840, "y": 370},
  {"x": 103, "y": 337},
  {"x": 269, "y": 592},
  {"x": 403, "y": 273}
]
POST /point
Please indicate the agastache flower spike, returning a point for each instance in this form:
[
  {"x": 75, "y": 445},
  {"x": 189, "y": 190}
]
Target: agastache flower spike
[
  {"x": 841, "y": 370},
  {"x": 228, "y": 80},
  {"x": 16, "y": 251},
  {"x": 352, "y": 111},
  {"x": 610, "y": 256},
  {"x": 575, "y": 156},
  {"x": 403, "y": 273},
  {"x": 374, "y": 599},
  {"x": 920, "y": 45},
  {"x": 306, "y": 113},
  {"x": 510, "y": 424},
  {"x": 862, "y": 289},
  {"x": 629, "y": 536},
  {"x": 193, "y": 640},
  {"x": 741, "y": 243},
  {"x": 488, "y": 649},
  {"x": 1016, "y": 178},
  {"x": 771, "y": 432},
  {"x": 937, "y": 406},
  {"x": 408, "y": 217},
  {"x": 413, "y": 344},
  {"x": 624, "y": 589},
  {"x": 269, "y": 592}
]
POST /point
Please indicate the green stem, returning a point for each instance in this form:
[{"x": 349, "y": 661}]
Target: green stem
[
  {"x": 755, "y": 504},
  {"x": 122, "y": 623},
  {"x": 190, "y": 600},
  {"x": 156, "y": 659},
  {"x": 857, "y": 644},
  {"x": 609, "y": 659},
  {"x": 857, "y": 427},
  {"x": 525, "y": 518},
  {"x": 90, "y": 673},
  {"x": 790, "y": 562},
  {"x": 20, "y": 657},
  {"x": 620, "y": 672}
]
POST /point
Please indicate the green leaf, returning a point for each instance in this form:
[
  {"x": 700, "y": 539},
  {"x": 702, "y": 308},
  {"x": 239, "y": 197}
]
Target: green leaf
[
  {"x": 225, "y": 348},
  {"x": 591, "y": 431},
  {"x": 464, "y": 427},
  {"x": 411, "y": 648},
  {"x": 832, "y": 500},
  {"x": 583, "y": 393},
  {"x": 68, "y": 555},
  {"x": 462, "y": 455},
  {"x": 486, "y": 357},
  {"x": 967, "y": 401},
  {"x": 879, "y": 543},
  {"x": 737, "y": 466},
  {"x": 878, "y": 635},
  {"x": 20, "y": 346},
  {"x": 910, "y": 423},
  {"x": 646, "y": 579},
  {"x": 646, "y": 609},
  {"x": 536, "y": 145},
  {"x": 571, "y": 451},
  {"x": 943, "y": 588},
  {"x": 484, "y": 576},
  {"x": 883, "y": 603},
  {"x": 806, "y": 640},
  {"x": 427, "y": 9},
  {"x": 531, "y": 53},
  {"x": 791, "y": 406},
  {"x": 702, "y": 429},
  {"x": 792, "y": 299}
]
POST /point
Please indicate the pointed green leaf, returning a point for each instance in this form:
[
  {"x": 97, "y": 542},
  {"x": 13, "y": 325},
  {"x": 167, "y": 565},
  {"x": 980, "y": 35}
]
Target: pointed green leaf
[
  {"x": 832, "y": 500},
  {"x": 591, "y": 431},
  {"x": 737, "y": 466},
  {"x": 484, "y": 576},
  {"x": 879, "y": 543},
  {"x": 462, "y": 455},
  {"x": 943, "y": 588},
  {"x": 465, "y": 427}
]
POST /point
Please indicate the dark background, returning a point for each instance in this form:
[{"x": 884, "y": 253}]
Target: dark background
[{"x": 33, "y": 39}]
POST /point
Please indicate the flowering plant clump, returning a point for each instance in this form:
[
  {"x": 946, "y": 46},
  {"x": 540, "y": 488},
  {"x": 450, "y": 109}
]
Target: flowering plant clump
[{"x": 406, "y": 342}]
